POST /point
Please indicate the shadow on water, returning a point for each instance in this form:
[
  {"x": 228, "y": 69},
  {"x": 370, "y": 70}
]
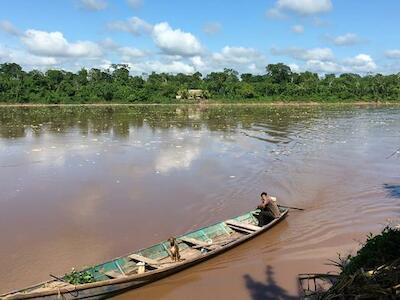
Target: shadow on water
[
  {"x": 267, "y": 290},
  {"x": 393, "y": 190}
]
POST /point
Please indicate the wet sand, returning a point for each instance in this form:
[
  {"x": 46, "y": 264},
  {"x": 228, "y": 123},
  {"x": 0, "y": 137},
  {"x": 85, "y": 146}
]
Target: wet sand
[{"x": 80, "y": 185}]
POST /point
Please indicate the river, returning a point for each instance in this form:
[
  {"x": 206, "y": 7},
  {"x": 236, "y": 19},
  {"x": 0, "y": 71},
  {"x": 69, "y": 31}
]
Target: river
[{"x": 81, "y": 185}]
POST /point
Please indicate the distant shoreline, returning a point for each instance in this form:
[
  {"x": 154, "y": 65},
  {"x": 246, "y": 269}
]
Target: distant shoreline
[{"x": 208, "y": 103}]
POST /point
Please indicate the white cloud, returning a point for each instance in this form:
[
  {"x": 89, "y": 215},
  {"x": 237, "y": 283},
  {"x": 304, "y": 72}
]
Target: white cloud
[
  {"x": 129, "y": 53},
  {"x": 294, "y": 67},
  {"x": 162, "y": 67},
  {"x": 321, "y": 54},
  {"x": 391, "y": 68},
  {"x": 108, "y": 44},
  {"x": 305, "y": 7},
  {"x": 253, "y": 68},
  {"x": 347, "y": 39},
  {"x": 25, "y": 59},
  {"x": 4, "y": 53},
  {"x": 135, "y": 4},
  {"x": 298, "y": 29},
  {"x": 301, "y": 7},
  {"x": 236, "y": 55},
  {"x": 32, "y": 60},
  {"x": 93, "y": 5},
  {"x": 134, "y": 25},
  {"x": 103, "y": 64},
  {"x": 324, "y": 66},
  {"x": 170, "y": 41},
  {"x": 241, "y": 59},
  {"x": 175, "y": 41},
  {"x": 9, "y": 28},
  {"x": 393, "y": 54},
  {"x": 361, "y": 63},
  {"x": 318, "y": 53},
  {"x": 275, "y": 13},
  {"x": 181, "y": 52},
  {"x": 44, "y": 43},
  {"x": 171, "y": 57},
  {"x": 211, "y": 28},
  {"x": 198, "y": 62}
]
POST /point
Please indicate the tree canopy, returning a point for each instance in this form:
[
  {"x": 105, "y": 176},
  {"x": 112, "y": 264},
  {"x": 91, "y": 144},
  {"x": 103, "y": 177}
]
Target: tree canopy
[{"x": 117, "y": 85}]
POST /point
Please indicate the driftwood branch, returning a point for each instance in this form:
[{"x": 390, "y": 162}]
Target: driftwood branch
[{"x": 396, "y": 151}]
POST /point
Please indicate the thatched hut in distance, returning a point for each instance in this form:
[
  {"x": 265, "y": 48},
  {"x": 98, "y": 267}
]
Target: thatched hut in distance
[{"x": 191, "y": 94}]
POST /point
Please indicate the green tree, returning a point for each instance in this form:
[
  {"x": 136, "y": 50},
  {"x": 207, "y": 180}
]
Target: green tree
[
  {"x": 279, "y": 73},
  {"x": 116, "y": 84}
]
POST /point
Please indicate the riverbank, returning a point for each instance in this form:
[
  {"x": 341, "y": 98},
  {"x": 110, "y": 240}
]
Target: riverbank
[
  {"x": 205, "y": 103},
  {"x": 372, "y": 273}
]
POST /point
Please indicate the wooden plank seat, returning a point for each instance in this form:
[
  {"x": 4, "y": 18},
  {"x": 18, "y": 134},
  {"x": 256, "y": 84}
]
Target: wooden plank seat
[
  {"x": 198, "y": 243},
  {"x": 194, "y": 242},
  {"x": 240, "y": 229},
  {"x": 146, "y": 260},
  {"x": 245, "y": 227},
  {"x": 201, "y": 244}
]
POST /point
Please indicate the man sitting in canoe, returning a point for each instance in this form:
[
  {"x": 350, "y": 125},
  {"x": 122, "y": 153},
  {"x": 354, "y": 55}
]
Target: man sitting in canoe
[{"x": 269, "y": 210}]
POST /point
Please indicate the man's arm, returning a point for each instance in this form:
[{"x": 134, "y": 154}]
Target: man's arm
[{"x": 264, "y": 204}]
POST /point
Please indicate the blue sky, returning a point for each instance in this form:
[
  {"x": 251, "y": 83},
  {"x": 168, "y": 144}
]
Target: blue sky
[{"x": 324, "y": 36}]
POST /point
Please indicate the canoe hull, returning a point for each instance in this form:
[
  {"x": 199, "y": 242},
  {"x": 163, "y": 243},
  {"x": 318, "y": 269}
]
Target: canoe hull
[{"x": 109, "y": 288}]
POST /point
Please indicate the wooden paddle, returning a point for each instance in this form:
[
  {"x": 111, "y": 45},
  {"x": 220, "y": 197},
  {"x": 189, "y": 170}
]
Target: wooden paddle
[{"x": 291, "y": 207}]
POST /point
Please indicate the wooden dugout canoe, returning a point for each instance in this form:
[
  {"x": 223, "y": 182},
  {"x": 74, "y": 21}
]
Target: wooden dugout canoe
[{"x": 122, "y": 274}]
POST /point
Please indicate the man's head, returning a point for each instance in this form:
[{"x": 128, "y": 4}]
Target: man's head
[{"x": 264, "y": 195}]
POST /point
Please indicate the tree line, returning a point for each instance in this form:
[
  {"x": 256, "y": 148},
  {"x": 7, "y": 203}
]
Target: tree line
[{"x": 279, "y": 83}]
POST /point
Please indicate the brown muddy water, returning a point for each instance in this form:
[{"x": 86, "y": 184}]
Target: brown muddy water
[{"x": 81, "y": 185}]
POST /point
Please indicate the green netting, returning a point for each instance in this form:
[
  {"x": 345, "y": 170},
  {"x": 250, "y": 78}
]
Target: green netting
[
  {"x": 209, "y": 233},
  {"x": 215, "y": 230},
  {"x": 198, "y": 235},
  {"x": 97, "y": 271},
  {"x": 245, "y": 218},
  {"x": 155, "y": 252}
]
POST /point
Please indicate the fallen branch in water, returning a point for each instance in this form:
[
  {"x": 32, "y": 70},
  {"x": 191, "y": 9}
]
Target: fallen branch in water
[{"x": 397, "y": 151}]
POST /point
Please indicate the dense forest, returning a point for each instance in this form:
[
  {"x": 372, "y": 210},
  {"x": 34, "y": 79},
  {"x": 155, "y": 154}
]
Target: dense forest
[{"x": 115, "y": 84}]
